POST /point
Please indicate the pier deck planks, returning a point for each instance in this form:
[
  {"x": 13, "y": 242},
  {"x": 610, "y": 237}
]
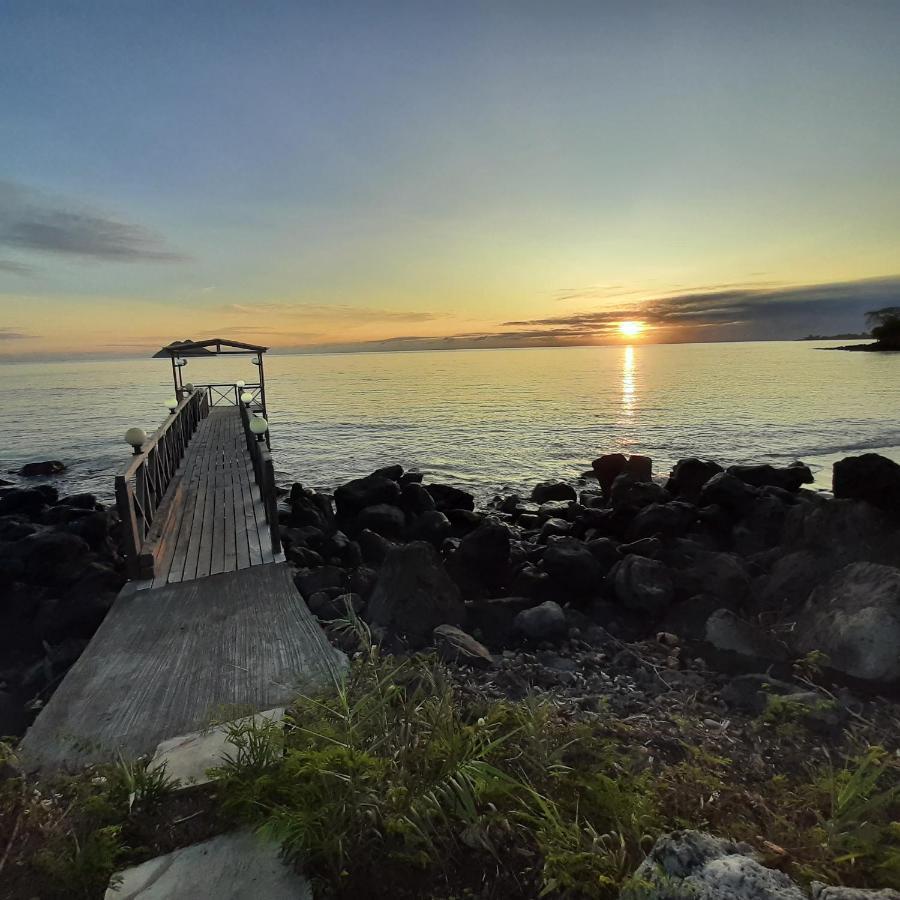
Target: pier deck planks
[
  {"x": 169, "y": 660},
  {"x": 213, "y": 518}
]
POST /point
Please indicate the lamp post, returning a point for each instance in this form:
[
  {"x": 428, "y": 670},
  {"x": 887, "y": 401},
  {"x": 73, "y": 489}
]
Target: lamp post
[
  {"x": 135, "y": 437},
  {"x": 172, "y": 405},
  {"x": 259, "y": 426},
  {"x": 246, "y": 398}
]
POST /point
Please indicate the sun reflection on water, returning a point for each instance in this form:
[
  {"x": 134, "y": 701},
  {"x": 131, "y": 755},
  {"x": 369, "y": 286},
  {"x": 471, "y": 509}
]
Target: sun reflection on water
[{"x": 628, "y": 397}]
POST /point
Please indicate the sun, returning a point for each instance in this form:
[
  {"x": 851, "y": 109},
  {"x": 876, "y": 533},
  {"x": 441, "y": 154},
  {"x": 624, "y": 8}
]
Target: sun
[{"x": 631, "y": 329}]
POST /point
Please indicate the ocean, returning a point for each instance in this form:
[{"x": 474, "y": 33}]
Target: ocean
[{"x": 488, "y": 420}]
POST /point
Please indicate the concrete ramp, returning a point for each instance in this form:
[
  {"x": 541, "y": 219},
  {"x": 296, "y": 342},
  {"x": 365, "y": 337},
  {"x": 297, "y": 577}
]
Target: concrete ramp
[{"x": 169, "y": 661}]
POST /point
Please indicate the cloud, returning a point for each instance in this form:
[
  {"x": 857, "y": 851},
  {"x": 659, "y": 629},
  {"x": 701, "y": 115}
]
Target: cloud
[
  {"x": 10, "y": 334},
  {"x": 759, "y": 309},
  {"x": 357, "y": 314},
  {"x": 16, "y": 268},
  {"x": 717, "y": 312},
  {"x": 32, "y": 221}
]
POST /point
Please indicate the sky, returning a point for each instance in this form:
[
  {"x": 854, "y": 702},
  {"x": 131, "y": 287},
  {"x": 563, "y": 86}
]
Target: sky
[{"x": 404, "y": 175}]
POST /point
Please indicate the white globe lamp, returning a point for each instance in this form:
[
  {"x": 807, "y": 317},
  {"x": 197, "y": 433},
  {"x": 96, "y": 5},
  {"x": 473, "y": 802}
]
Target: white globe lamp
[
  {"x": 135, "y": 437},
  {"x": 259, "y": 426}
]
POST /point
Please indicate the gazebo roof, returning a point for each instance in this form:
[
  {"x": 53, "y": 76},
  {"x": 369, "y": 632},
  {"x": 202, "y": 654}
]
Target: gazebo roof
[{"x": 207, "y": 347}]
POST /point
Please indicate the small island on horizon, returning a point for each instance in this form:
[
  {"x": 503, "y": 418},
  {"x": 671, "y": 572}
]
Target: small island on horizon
[{"x": 885, "y": 328}]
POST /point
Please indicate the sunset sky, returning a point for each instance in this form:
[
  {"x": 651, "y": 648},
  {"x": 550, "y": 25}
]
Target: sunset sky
[{"x": 416, "y": 174}]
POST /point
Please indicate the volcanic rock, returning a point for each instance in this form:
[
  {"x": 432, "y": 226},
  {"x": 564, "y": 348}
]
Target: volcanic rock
[
  {"x": 869, "y": 477},
  {"x": 854, "y": 617},
  {"x": 546, "y": 622},
  {"x": 413, "y": 595}
]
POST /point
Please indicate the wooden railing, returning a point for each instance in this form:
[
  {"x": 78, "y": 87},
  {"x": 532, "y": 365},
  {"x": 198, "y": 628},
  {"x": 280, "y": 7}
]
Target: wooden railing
[
  {"x": 264, "y": 472},
  {"x": 142, "y": 486},
  {"x": 227, "y": 393}
]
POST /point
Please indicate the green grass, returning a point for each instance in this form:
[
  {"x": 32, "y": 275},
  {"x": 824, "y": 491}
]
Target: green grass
[{"x": 397, "y": 785}]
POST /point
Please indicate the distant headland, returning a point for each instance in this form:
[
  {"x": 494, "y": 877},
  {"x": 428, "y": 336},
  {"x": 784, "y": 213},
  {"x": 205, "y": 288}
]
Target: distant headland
[{"x": 885, "y": 325}]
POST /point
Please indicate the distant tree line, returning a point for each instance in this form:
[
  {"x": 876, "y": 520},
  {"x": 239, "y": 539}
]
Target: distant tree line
[{"x": 885, "y": 326}]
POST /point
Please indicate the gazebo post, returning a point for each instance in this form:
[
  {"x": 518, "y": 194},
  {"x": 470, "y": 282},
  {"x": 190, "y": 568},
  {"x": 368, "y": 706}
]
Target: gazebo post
[{"x": 175, "y": 379}]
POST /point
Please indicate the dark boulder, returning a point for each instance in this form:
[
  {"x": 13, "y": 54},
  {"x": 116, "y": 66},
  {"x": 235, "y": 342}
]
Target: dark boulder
[
  {"x": 608, "y": 468},
  {"x": 557, "y": 509},
  {"x": 431, "y": 526},
  {"x": 462, "y": 521},
  {"x": 662, "y": 519},
  {"x": 553, "y": 490},
  {"x": 42, "y": 469},
  {"x": 411, "y": 478},
  {"x": 869, "y": 477},
  {"x": 309, "y": 581},
  {"x": 447, "y": 497},
  {"x": 310, "y": 508},
  {"x": 762, "y": 525},
  {"x": 482, "y": 560},
  {"x": 721, "y": 575},
  {"x": 97, "y": 529},
  {"x": 688, "y": 477},
  {"x": 413, "y": 595},
  {"x": 374, "y": 547},
  {"x": 643, "y": 584},
  {"x": 455, "y": 646},
  {"x": 337, "y": 546},
  {"x": 14, "y": 528},
  {"x": 751, "y": 646},
  {"x": 852, "y": 530},
  {"x": 303, "y": 557},
  {"x": 486, "y": 548},
  {"x": 492, "y": 618},
  {"x": 53, "y": 557},
  {"x": 415, "y": 500},
  {"x": 529, "y": 581},
  {"x": 362, "y": 581},
  {"x": 555, "y": 528},
  {"x": 394, "y": 472},
  {"x": 356, "y": 495},
  {"x": 788, "y": 478},
  {"x": 631, "y": 493},
  {"x": 80, "y": 501},
  {"x": 688, "y": 618},
  {"x": 27, "y": 501},
  {"x": 82, "y": 607},
  {"x": 572, "y": 566},
  {"x": 384, "y": 519},
  {"x": 639, "y": 467},
  {"x": 789, "y": 582},
  {"x": 650, "y": 547},
  {"x": 546, "y": 622},
  {"x": 727, "y": 491},
  {"x": 326, "y": 606},
  {"x": 605, "y": 550},
  {"x": 854, "y": 617}
]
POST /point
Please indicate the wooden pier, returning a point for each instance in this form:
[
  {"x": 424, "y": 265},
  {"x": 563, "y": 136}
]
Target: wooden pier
[{"x": 211, "y": 619}]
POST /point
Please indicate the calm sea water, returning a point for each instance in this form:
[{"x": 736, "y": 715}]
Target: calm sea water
[{"x": 491, "y": 420}]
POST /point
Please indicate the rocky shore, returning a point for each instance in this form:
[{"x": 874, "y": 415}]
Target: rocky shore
[
  {"x": 744, "y": 568},
  {"x": 695, "y": 662},
  {"x": 59, "y": 574}
]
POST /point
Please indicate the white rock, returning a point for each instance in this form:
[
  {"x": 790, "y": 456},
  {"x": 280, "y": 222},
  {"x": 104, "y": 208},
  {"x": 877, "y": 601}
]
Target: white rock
[
  {"x": 229, "y": 867},
  {"x": 188, "y": 757}
]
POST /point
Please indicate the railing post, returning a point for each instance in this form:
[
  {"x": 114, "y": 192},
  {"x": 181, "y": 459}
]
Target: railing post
[
  {"x": 130, "y": 541},
  {"x": 270, "y": 501}
]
